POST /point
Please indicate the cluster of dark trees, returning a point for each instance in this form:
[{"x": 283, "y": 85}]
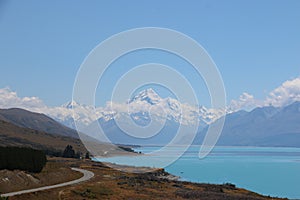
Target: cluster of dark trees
[
  {"x": 22, "y": 158},
  {"x": 69, "y": 152},
  {"x": 32, "y": 160}
]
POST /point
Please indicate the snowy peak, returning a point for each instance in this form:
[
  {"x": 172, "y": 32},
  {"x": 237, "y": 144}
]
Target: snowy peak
[
  {"x": 139, "y": 108},
  {"x": 148, "y": 95},
  {"x": 70, "y": 105}
]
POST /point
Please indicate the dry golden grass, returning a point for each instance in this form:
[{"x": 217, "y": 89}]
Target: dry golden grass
[{"x": 53, "y": 173}]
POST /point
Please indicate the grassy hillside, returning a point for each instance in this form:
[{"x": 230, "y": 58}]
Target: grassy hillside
[
  {"x": 36, "y": 121},
  {"x": 12, "y": 135}
]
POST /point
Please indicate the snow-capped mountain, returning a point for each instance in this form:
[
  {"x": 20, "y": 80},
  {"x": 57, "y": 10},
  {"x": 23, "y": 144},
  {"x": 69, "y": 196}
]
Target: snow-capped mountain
[
  {"x": 142, "y": 108},
  {"x": 148, "y": 95},
  {"x": 72, "y": 111},
  {"x": 155, "y": 118},
  {"x": 148, "y": 105},
  {"x": 263, "y": 126}
]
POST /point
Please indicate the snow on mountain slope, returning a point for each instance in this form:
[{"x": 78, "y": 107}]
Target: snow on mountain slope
[
  {"x": 143, "y": 107},
  {"x": 148, "y": 95}
]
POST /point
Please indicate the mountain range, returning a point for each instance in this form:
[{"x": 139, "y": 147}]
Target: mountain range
[
  {"x": 138, "y": 107},
  {"x": 145, "y": 109},
  {"x": 263, "y": 126}
]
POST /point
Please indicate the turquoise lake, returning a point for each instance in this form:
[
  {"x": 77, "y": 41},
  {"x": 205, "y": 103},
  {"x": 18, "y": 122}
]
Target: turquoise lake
[{"x": 269, "y": 171}]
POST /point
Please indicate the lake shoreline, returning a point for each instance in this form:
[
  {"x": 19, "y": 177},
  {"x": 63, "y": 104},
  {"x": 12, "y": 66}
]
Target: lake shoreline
[
  {"x": 136, "y": 183},
  {"x": 161, "y": 173},
  {"x": 241, "y": 167}
]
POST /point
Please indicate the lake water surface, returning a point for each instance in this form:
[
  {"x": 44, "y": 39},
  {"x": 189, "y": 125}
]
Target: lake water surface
[{"x": 269, "y": 171}]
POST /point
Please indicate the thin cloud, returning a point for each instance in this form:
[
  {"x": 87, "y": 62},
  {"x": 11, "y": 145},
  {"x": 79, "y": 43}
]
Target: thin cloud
[{"x": 246, "y": 101}]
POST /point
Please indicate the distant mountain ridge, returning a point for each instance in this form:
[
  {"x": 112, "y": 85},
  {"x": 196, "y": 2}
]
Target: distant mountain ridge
[{"x": 265, "y": 126}]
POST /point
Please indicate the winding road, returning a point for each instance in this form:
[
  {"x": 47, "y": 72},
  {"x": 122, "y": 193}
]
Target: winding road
[{"x": 87, "y": 175}]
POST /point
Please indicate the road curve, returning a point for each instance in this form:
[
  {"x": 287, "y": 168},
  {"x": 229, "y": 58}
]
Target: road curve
[{"x": 86, "y": 176}]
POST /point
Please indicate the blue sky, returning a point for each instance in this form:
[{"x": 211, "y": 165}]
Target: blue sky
[{"x": 255, "y": 44}]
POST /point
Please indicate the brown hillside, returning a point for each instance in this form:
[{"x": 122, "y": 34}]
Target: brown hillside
[
  {"x": 26, "y": 119},
  {"x": 12, "y": 135}
]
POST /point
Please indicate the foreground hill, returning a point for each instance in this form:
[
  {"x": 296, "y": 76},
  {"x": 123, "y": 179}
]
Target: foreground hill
[
  {"x": 12, "y": 135},
  {"x": 36, "y": 121},
  {"x": 20, "y": 127}
]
